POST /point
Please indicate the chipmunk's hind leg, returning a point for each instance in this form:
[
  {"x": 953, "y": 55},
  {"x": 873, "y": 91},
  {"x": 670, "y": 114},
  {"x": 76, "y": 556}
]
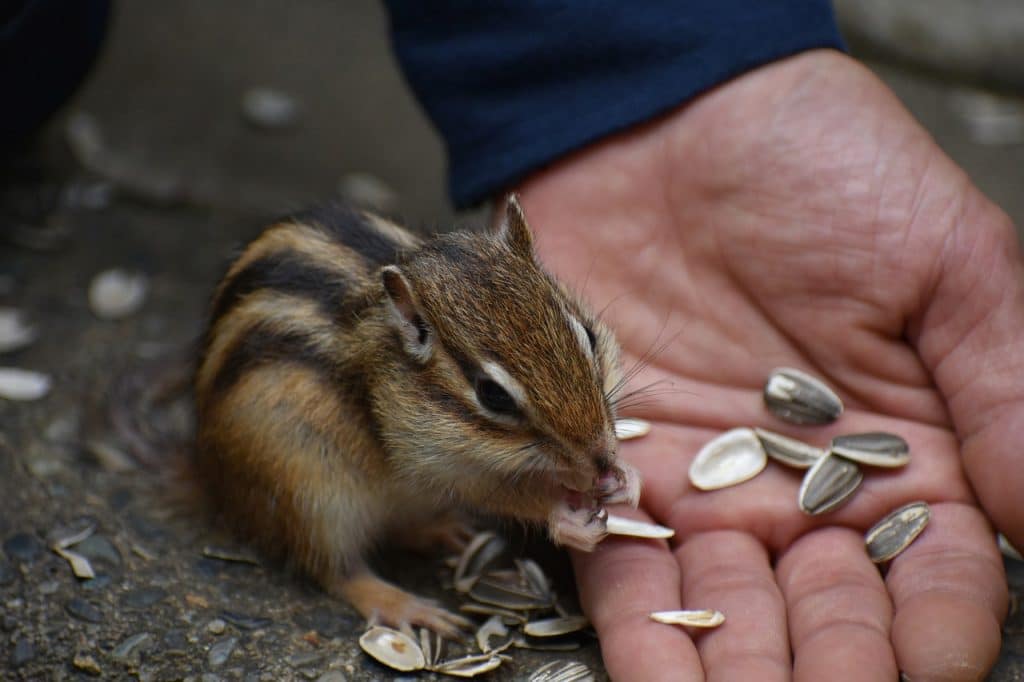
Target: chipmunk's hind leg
[
  {"x": 446, "y": 531},
  {"x": 377, "y": 599}
]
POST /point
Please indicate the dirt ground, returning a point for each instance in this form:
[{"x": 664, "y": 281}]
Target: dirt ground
[{"x": 200, "y": 180}]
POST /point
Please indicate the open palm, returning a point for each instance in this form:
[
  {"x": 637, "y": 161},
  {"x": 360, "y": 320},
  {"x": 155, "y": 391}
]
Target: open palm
[{"x": 798, "y": 216}]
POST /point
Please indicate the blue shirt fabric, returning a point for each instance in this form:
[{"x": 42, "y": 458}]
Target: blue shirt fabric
[{"x": 515, "y": 84}]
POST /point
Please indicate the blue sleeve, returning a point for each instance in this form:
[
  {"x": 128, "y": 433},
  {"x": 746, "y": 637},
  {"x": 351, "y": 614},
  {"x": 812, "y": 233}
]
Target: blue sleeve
[{"x": 514, "y": 84}]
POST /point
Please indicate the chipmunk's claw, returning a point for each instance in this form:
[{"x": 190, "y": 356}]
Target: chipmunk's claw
[{"x": 577, "y": 527}]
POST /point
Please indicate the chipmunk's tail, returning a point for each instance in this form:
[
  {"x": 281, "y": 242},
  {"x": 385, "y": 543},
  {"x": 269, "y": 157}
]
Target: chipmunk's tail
[{"x": 151, "y": 413}]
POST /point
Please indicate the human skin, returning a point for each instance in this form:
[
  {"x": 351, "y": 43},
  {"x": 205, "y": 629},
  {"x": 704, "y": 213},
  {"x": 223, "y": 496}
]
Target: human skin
[{"x": 799, "y": 216}]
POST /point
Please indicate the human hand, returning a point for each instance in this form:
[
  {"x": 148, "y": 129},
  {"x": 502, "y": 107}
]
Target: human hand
[{"x": 799, "y": 216}]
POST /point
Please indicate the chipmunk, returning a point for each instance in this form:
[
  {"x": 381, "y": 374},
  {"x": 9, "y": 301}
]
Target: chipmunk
[{"x": 358, "y": 384}]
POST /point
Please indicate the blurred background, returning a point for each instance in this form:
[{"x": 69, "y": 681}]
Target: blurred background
[{"x": 200, "y": 120}]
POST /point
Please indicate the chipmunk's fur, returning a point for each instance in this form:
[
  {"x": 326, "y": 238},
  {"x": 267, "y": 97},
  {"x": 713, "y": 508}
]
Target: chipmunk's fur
[{"x": 357, "y": 384}]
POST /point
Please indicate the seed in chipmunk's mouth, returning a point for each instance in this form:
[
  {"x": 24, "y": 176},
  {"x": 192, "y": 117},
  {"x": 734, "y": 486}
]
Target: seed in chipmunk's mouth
[
  {"x": 627, "y": 429},
  {"x": 799, "y": 398}
]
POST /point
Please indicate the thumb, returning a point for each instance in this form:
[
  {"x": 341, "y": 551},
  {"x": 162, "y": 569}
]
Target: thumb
[{"x": 971, "y": 338}]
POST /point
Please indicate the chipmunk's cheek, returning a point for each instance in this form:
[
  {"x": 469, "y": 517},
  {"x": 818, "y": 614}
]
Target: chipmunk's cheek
[
  {"x": 579, "y": 527},
  {"x": 619, "y": 485}
]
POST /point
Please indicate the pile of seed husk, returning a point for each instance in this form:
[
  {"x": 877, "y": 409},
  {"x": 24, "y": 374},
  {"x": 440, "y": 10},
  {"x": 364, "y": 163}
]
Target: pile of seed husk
[
  {"x": 519, "y": 609},
  {"x": 833, "y": 472}
]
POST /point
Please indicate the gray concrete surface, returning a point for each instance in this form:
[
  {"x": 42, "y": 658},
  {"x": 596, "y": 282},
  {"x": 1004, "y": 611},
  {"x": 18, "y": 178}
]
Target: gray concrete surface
[{"x": 166, "y": 96}]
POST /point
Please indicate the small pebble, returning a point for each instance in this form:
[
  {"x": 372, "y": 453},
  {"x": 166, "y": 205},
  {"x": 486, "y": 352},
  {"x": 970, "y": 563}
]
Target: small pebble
[
  {"x": 48, "y": 587},
  {"x": 83, "y": 610},
  {"x": 175, "y": 641},
  {"x": 220, "y": 651},
  {"x": 332, "y": 676},
  {"x": 216, "y": 626},
  {"x": 87, "y": 664},
  {"x": 24, "y": 652},
  {"x": 244, "y": 621},
  {"x": 305, "y": 658},
  {"x": 23, "y": 547},
  {"x": 99, "y": 550},
  {"x": 143, "y": 597},
  {"x": 7, "y": 574}
]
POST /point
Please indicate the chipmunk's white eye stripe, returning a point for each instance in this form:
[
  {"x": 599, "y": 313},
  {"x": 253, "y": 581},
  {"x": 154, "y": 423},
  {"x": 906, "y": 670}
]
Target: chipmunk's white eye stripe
[
  {"x": 581, "y": 335},
  {"x": 498, "y": 374}
]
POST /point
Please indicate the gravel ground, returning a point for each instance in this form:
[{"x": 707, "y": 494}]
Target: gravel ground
[{"x": 166, "y": 96}]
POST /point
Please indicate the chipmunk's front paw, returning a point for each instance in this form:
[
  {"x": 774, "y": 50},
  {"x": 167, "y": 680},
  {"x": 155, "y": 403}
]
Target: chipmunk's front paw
[
  {"x": 620, "y": 484},
  {"x": 577, "y": 527}
]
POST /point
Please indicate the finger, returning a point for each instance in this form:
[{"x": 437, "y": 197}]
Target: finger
[
  {"x": 730, "y": 572},
  {"x": 949, "y": 591},
  {"x": 839, "y": 610},
  {"x": 969, "y": 338},
  {"x": 620, "y": 584}
]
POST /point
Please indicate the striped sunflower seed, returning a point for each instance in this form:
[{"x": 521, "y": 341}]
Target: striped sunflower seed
[
  {"x": 828, "y": 483},
  {"x": 799, "y": 398},
  {"x": 789, "y": 451},
  {"x": 896, "y": 531},
  {"x": 873, "y": 449},
  {"x": 555, "y": 627}
]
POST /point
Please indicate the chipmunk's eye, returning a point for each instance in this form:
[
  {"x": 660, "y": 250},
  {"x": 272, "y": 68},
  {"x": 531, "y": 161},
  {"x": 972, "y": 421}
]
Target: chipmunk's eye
[{"x": 495, "y": 398}]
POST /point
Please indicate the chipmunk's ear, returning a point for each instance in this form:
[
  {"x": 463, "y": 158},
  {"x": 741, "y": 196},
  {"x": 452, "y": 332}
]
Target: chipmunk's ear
[
  {"x": 514, "y": 230},
  {"x": 416, "y": 333}
]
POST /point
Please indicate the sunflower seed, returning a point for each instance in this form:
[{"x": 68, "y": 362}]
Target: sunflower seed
[
  {"x": 80, "y": 565},
  {"x": 562, "y": 671},
  {"x": 521, "y": 642},
  {"x": 828, "y": 484},
  {"x": 873, "y": 449},
  {"x": 14, "y": 332},
  {"x": 468, "y": 666},
  {"x": 733, "y": 457},
  {"x": 531, "y": 574},
  {"x": 492, "y": 627},
  {"x": 479, "y": 553},
  {"x": 22, "y": 384},
  {"x": 63, "y": 539},
  {"x": 626, "y": 429},
  {"x": 896, "y": 531},
  {"x": 619, "y": 525},
  {"x": 507, "y": 617},
  {"x": 393, "y": 648},
  {"x": 705, "y": 618},
  {"x": 430, "y": 653},
  {"x": 555, "y": 627},
  {"x": 506, "y": 596},
  {"x": 789, "y": 451},
  {"x": 799, "y": 398},
  {"x": 115, "y": 294},
  {"x": 1007, "y": 549}
]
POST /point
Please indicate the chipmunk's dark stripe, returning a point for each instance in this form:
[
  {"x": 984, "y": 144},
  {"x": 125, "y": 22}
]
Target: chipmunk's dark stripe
[
  {"x": 349, "y": 228},
  {"x": 464, "y": 412},
  {"x": 288, "y": 273},
  {"x": 259, "y": 346}
]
